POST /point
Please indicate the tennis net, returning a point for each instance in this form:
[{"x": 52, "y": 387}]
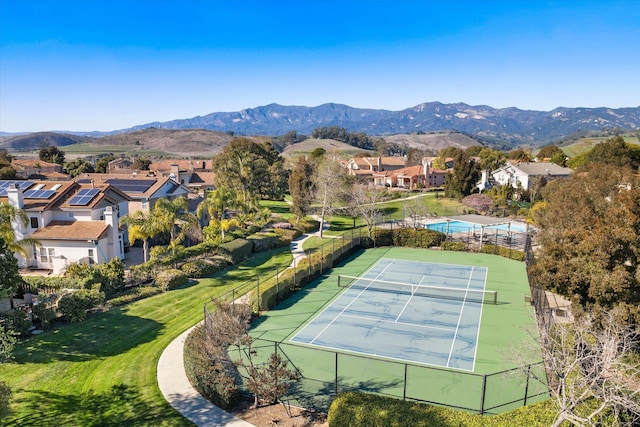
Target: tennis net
[{"x": 473, "y": 295}]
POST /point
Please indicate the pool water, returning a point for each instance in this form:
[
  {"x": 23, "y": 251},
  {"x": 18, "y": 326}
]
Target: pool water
[{"x": 464, "y": 227}]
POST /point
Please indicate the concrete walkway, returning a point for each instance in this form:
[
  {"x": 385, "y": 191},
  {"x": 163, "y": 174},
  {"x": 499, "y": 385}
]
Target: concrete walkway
[{"x": 176, "y": 388}]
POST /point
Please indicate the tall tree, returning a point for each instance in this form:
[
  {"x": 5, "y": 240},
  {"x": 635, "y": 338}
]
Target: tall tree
[
  {"x": 251, "y": 170},
  {"x": 364, "y": 202},
  {"x": 51, "y": 154},
  {"x": 102, "y": 165},
  {"x": 77, "y": 167},
  {"x": 466, "y": 174},
  {"x": 491, "y": 159},
  {"x": 615, "y": 151},
  {"x": 174, "y": 217},
  {"x": 301, "y": 187},
  {"x": 217, "y": 203},
  {"x": 589, "y": 235},
  {"x": 329, "y": 182}
]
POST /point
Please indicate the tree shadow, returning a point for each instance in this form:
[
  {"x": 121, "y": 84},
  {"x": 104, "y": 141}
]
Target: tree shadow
[
  {"x": 102, "y": 334},
  {"x": 121, "y": 405}
]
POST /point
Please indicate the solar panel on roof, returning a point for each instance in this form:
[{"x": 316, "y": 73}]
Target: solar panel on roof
[
  {"x": 131, "y": 185},
  {"x": 4, "y": 185},
  {"x": 84, "y": 197},
  {"x": 38, "y": 194}
]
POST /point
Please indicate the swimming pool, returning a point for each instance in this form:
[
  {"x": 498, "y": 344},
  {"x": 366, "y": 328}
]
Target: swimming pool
[{"x": 464, "y": 227}]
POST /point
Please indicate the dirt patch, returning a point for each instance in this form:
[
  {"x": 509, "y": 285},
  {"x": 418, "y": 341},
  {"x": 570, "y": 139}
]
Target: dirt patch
[{"x": 279, "y": 415}]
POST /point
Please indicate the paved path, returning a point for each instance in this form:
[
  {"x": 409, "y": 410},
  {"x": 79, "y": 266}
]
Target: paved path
[{"x": 176, "y": 388}]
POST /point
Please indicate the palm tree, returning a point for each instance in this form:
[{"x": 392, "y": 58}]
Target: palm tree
[
  {"x": 172, "y": 213},
  {"x": 217, "y": 203},
  {"x": 10, "y": 215},
  {"x": 143, "y": 226}
]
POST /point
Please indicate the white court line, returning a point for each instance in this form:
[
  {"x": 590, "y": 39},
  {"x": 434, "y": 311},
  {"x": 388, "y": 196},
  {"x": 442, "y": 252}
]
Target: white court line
[
  {"x": 453, "y": 343},
  {"x": 347, "y": 306},
  {"x": 413, "y": 291},
  {"x": 398, "y": 323},
  {"x": 309, "y": 323},
  {"x": 475, "y": 352}
]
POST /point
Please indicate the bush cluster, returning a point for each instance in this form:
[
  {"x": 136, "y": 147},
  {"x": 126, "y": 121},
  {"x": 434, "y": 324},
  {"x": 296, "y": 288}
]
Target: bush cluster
[
  {"x": 209, "y": 377},
  {"x": 74, "y": 306},
  {"x": 355, "y": 409},
  {"x": 408, "y": 237},
  {"x": 503, "y": 252},
  {"x": 16, "y": 320},
  {"x": 236, "y": 250},
  {"x": 306, "y": 225},
  {"x": 171, "y": 279},
  {"x": 454, "y": 246},
  {"x": 264, "y": 241},
  {"x": 203, "y": 267},
  {"x": 287, "y": 235},
  {"x": 134, "y": 294}
]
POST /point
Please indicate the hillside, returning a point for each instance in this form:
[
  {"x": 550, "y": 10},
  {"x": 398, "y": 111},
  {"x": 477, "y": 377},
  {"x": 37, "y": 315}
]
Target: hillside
[
  {"x": 331, "y": 146},
  {"x": 35, "y": 141},
  {"x": 187, "y": 142},
  {"x": 433, "y": 141}
]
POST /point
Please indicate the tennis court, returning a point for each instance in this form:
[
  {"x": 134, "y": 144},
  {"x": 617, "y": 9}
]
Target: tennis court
[
  {"x": 401, "y": 335},
  {"x": 406, "y": 310}
]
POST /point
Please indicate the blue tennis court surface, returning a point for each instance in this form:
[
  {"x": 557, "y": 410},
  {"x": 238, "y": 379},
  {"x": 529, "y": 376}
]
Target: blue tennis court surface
[{"x": 434, "y": 319}]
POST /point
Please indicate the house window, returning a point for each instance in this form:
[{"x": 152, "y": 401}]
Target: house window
[
  {"x": 91, "y": 255},
  {"x": 43, "y": 255},
  {"x": 145, "y": 205},
  {"x": 52, "y": 253},
  {"x": 34, "y": 222}
]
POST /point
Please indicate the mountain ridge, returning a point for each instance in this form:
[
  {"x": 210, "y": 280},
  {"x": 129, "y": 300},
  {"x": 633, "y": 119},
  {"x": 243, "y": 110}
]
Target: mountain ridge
[{"x": 508, "y": 124}]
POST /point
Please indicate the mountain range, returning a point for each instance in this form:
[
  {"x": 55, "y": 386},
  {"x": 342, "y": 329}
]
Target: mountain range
[{"x": 510, "y": 125}]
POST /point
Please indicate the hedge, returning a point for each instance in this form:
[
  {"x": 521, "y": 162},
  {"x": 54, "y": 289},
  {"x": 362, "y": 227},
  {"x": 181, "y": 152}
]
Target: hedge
[
  {"x": 264, "y": 241},
  {"x": 171, "y": 279},
  {"x": 236, "y": 250},
  {"x": 408, "y": 237},
  {"x": 46, "y": 283},
  {"x": 503, "y": 252},
  {"x": 287, "y": 235},
  {"x": 307, "y": 225},
  {"x": 203, "y": 267},
  {"x": 207, "y": 376},
  {"x": 74, "y": 306},
  {"x": 454, "y": 246},
  {"x": 354, "y": 409}
]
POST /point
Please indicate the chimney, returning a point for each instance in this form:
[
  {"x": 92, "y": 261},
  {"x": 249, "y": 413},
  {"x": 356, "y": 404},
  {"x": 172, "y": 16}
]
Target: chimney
[
  {"x": 175, "y": 170},
  {"x": 379, "y": 163},
  {"x": 16, "y": 197},
  {"x": 111, "y": 219}
]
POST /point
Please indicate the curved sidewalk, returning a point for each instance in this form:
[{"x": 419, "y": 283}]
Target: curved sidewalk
[{"x": 178, "y": 391}]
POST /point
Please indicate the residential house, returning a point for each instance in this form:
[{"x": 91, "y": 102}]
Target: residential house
[
  {"x": 198, "y": 175},
  {"x": 144, "y": 189},
  {"x": 38, "y": 170},
  {"x": 527, "y": 174},
  {"x": 121, "y": 166},
  {"x": 73, "y": 222},
  {"x": 364, "y": 168}
]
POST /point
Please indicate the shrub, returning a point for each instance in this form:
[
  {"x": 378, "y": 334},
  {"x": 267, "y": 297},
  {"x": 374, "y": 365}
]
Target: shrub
[
  {"x": 236, "y": 250},
  {"x": 211, "y": 378},
  {"x": 287, "y": 235},
  {"x": 355, "y": 409},
  {"x": 417, "y": 238},
  {"x": 307, "y": 225},
  {"x": 134, "y": 295},
  {"x": 17, "y": 320},
  {"x": 203, "y": 267},
  {"x": 44, "y": 314},
  {"x": 454, "y": 246},
  {"x": 171, "y": 279},
  {"x": 74, "y": 306},
  {"x": 265, "y": 241},
  {"x": 45, "y": 283},
  {"x": 503, "y": 252}
]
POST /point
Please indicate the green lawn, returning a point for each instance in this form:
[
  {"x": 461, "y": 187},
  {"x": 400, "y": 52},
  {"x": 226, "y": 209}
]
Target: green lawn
[{"x": 103, "y": 371}]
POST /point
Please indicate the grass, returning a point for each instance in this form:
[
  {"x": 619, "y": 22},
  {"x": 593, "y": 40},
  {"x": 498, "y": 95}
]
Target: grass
[
  {"x": 103, "y": 371},
  {"x": 89, "y": 149}
]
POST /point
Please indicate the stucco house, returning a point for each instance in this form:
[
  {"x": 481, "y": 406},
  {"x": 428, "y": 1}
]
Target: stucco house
[
  {"x": 73, "y": 222},
  {"x": 526, "y": 174},
  {"x": 198, "y": 175}
]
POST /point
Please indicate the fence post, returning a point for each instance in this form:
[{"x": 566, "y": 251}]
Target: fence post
[
  {"x": 336, "y": 385},
  {"x": 526, "y": 387},
  {"x": 258, "y": 292},
  {"x": 404, "y": 391},
  {"x": 484, "y": 391}
]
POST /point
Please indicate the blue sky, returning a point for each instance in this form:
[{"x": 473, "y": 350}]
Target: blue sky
[{"x": 87, "y": 65}]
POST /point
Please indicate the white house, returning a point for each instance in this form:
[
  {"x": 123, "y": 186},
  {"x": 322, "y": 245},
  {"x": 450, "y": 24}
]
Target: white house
[
  {"x": 526, "y": 174},
  {"x": 73, "y": 222}
]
